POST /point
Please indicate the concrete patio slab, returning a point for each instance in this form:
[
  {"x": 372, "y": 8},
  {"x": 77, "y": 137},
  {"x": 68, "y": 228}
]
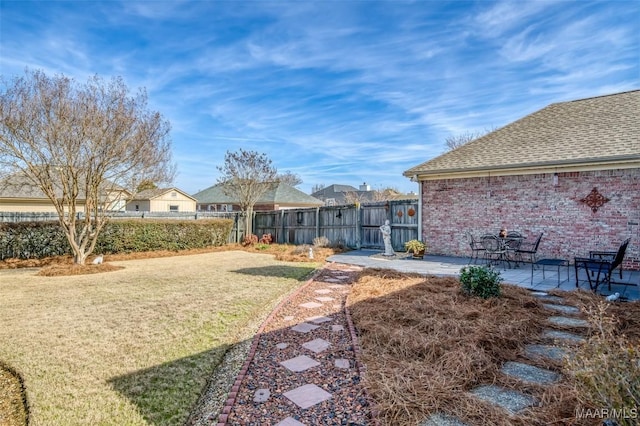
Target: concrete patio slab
[{"x": 450, "y": 266}]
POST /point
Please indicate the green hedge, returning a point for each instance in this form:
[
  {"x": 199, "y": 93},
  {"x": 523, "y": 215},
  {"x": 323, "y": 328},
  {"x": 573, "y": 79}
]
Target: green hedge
[{"x": 33, "y": 240}]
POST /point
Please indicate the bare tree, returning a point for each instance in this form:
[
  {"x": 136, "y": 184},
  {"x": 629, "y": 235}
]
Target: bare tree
[
  {"x": 385, "y": 194},
  {"x": 85, "y": 146},
  {"x": 246, "y": 176},
  {"x": 354, "y": 197},
  {"x": 456, "y": 141},
  {"x": 289, "y": 178}
]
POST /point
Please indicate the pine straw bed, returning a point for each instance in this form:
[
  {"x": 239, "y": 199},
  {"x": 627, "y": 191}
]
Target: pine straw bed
[{"x": 425, "y": 345}]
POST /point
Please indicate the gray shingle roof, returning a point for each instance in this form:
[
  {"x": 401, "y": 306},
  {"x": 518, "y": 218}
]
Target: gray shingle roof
[
  {"x": 278, "y": 194},
  {"x": 598, "y": 129}
]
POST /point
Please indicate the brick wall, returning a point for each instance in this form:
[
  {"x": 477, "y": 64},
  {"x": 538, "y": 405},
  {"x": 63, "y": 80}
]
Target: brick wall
[{"x": 532, "y": 204}]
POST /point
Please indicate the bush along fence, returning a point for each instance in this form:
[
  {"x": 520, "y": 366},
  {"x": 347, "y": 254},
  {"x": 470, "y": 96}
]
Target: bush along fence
[{"x": 33, "y": 240}]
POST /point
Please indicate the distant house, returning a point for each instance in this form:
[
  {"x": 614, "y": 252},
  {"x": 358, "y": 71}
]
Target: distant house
[
  {"x": 570, "y": 170},
  {"x": 19, "y": 194},
  {"x": 162, "y": 200},
  {"x": 280, "y": 196},
  {"x": 335, "y": 195}
]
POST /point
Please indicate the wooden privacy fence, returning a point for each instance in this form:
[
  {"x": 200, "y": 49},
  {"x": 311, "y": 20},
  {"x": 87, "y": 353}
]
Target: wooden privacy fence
[{"x": 354, "y": 226}]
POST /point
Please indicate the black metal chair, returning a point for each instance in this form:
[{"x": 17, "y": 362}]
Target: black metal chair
[
  {"x": 598, "y": 271},
  {"x": 512, "y": 242},
  {"x": 494, "y": 250},
  {"x": 477, "y": 250},
  {"x": 605, "y": 255},
  {"x": 528, "y": 249}
]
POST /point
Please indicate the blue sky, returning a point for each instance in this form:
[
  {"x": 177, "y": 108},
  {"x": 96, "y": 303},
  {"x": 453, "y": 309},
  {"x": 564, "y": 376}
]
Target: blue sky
[{"x": 335, "y": 91}]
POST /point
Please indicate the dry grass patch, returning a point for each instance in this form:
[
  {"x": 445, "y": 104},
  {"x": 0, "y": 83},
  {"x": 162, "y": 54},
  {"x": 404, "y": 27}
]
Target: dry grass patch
[
  {"x": 425, "y": 344},
  {"x": 134, "y": 346}
]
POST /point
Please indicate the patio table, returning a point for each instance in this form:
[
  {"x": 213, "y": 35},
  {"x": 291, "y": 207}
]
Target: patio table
[{"x": 550, "y": 262}]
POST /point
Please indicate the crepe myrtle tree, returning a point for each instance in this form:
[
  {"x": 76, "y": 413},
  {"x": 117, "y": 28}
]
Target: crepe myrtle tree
[
  {"x": 86, "y": 146},
  {"x": 245, "y": 177}
]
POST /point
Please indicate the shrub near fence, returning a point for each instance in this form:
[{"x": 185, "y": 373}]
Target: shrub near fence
[{"x": 33, "y": 240}]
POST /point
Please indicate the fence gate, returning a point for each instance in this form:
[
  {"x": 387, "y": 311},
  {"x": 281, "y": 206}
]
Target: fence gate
[{"x": 402, "y": 216}]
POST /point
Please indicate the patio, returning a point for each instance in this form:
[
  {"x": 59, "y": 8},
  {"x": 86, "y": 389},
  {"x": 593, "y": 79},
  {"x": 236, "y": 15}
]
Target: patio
[{"x": 447, "y": 266}]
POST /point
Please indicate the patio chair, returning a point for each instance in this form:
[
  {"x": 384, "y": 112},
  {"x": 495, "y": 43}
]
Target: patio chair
[
  {"x": 494, "y": 250},
  {"x": 528, "y": 249},
  {"x": 606, "y": 255},
  {"x": 477, "y": 250},
  {"x": 598, "y": 271},
  {"x": 512, "y": 242}
]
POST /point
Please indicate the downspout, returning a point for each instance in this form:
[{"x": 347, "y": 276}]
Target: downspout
[{"x": 420, "y": 237}]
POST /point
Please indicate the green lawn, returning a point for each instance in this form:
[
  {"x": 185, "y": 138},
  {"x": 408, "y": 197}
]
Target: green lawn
[{"x": 133, "y": 346}]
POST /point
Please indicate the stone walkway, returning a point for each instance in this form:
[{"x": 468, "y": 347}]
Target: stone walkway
[
  {"x": 513, "y": 401},
  {"x": 303, "y": 366}
]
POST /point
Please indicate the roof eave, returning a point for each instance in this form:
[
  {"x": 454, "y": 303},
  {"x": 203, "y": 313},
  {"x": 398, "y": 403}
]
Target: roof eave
[{"x": 619, "y": 162}]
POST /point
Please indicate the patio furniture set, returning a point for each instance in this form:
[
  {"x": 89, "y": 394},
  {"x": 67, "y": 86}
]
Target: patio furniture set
[{"x": 512, "y": 247}]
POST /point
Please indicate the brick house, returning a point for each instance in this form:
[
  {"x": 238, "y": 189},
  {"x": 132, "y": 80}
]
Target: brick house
[{"x": 570, "y": 170}]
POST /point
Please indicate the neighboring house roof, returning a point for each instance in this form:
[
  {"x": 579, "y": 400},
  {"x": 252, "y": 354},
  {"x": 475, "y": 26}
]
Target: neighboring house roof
[
  {"x": 18, "y": 185},
  {"x": 334, "y": 191},
  {"x": 281, "y": 194},
  {"x": 339, "y": 192},
  {"x": 595, "y": 131},
  {"x": 150, "y": 194}
]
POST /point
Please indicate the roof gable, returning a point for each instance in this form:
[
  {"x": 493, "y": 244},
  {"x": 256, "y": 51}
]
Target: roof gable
[
  {"x": 598, "y": 129},
  {"x": 150, "y": 194}
]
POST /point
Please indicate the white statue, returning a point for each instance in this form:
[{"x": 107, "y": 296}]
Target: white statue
[{"x": 386, "y": 237}]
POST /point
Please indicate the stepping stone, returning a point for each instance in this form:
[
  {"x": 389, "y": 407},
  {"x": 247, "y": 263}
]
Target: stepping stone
[
  {"x": 303, "y": 327},
  {"x": 439, "y": 419},
  {"x": 337, "y": 327},
  {"x": 288, "y": 318},
  {"x": 325, "y": 298},
  {"x": 282, "y": 345},
  {"x": 568, "y": 322},
  {"x": 562, "y": 335},
  {"x": 299, "y": 363},
  {"x": 508, "y": 399},
  {"x": 310, "y": 305},
  {"x": 544, "y": 351},
  {"x": 539, "y": 293},
  {"x": 552, "y": 299},
  {"x": 332, "y": 280},
  {"x": 342, "y": 363},
  {"x": 307, "y": 395},
  {"x": 562, "y": 308},
  {"x": 318, "y": 319},
  {"x": 290, "y": 421},
  {"x": 336, "y": 286},
  {"x": 529, "y": 373},
  {"x": 323, "y": 291},
  {"x": 316, "y": 345},
  {"x": 261, "y": 395}
]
